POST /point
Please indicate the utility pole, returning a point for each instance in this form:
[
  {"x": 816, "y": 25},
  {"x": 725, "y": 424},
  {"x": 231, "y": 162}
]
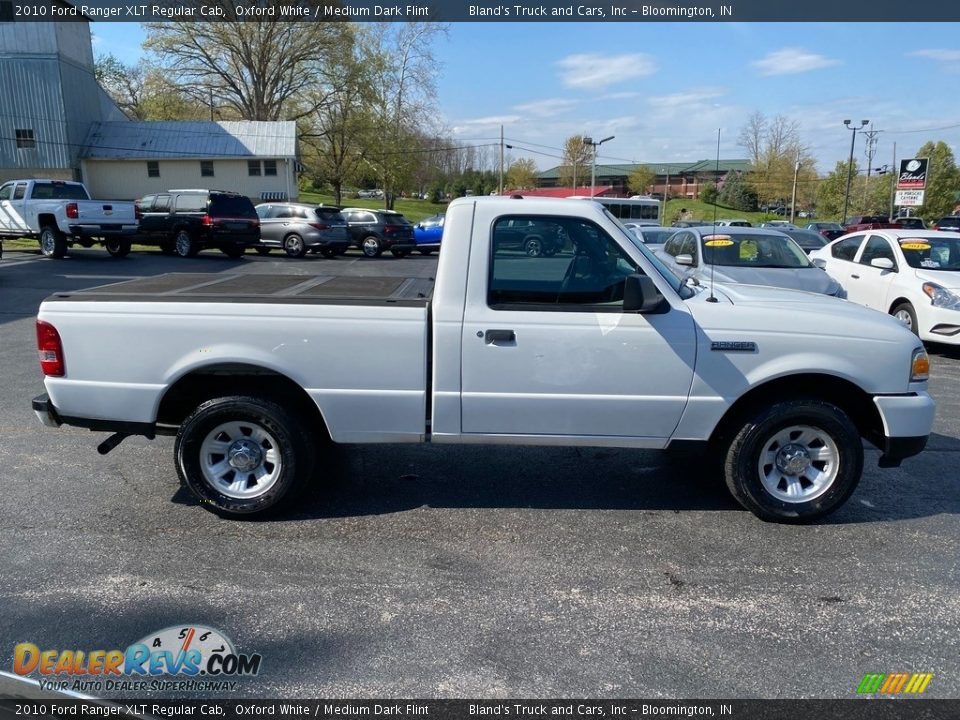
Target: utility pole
[
  {"x": 593, "y": 169},
  {"x": 896, "y": 176},
  {"x": 500, "y": 190},
  {"x": 871, "y": 145},
  {"x": 853, "y": 140}
]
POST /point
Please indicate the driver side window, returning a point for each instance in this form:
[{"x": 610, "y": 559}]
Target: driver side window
[{"x": 555, "y": 263}]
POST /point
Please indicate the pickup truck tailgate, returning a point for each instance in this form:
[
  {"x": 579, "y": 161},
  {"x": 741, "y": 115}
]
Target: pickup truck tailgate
[{"x": 358, "y": 346}]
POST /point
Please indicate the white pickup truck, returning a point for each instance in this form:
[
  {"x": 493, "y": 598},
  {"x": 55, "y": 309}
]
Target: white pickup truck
[
  {"x": 60, "y": 213},
  {"x": 595, "y": 345}
]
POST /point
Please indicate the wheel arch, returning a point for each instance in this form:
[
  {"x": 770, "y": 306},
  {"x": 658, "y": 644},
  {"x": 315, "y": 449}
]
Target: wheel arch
[
  {"x": 846, "y": 395},
  {"x": 47, "y": 219},
  {"x": 222, "y": 379},
  {"x": 899, "y": 301}
]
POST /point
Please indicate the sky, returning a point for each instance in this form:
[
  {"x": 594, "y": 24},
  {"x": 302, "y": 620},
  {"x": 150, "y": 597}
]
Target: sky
[{"x": 663, "y": 90}]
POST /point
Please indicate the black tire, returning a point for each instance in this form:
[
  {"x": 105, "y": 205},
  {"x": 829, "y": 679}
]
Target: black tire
[
  {"x": 168, "y": 247},
  {"x": 262, "y": 250},
  {"x": 905, "y": 313},
  {"x": 184, "y": 244},
  {"x": 234, "y": 252},
  {"x": 293, "y": 246},
  {"x": 791, "y": 429},
  {"x": 53, "y": 243},
  {"x": 117, "y": 247},
  {"x": 327, "y": 252},
  {"x": 371, "y": 246},
  {"x": 533, "y": 246},
  {"x": 397, "y": 253},
  {"x": 425, "y": 251},
  {"x": 254, "y": 426}
]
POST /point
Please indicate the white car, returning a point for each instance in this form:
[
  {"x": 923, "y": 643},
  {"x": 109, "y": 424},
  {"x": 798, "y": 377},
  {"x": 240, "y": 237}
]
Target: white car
[{"x": 913, "y": 275}]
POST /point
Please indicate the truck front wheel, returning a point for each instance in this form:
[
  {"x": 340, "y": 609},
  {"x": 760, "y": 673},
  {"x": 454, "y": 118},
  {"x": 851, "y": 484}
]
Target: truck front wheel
[
  {"x": 795, "y": 461},
  {"x": 53, "y": 243},
  {"x": 243, "y": 456}
]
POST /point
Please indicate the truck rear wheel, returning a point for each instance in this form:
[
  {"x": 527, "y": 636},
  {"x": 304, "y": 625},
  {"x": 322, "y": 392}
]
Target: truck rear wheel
[
  {"x": 117, "y": 247},
  {"x": 243, "y": 455},
  {"x": 53, "y": 243},
  {"x": 794, "y": 461}
]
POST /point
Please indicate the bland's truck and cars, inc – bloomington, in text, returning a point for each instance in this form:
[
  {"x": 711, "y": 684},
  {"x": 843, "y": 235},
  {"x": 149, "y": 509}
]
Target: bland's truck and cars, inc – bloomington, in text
[{"x": 596, "y": 344}]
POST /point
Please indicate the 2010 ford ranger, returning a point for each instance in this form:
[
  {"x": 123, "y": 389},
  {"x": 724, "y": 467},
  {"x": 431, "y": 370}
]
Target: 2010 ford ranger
[{"x": 597, "y": 344}]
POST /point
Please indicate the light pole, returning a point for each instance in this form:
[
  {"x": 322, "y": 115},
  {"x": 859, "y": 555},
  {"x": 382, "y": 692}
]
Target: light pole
[
  {"x": 593, "y": 169},
  {"x": 853, "y": 140}
]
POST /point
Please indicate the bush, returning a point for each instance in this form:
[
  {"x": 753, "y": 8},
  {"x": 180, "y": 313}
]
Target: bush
[{"x": 709, "y": 193}]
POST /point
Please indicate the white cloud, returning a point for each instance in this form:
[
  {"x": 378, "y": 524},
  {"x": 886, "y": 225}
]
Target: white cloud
[
  {"x": 482, "y": 123},
  {"x": 690, "y": 97},
  {"x": 949, "y": 59},
  {"x": 792, "y": 60},
  {"x": 590, "y": 70},
  {"x": 546, "y": 108}
]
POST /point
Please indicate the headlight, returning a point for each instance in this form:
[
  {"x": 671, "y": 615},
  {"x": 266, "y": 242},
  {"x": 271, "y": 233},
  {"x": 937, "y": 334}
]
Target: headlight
[
  {"x": 919, "y": 366},
  {"x": 941, "y": 297}
]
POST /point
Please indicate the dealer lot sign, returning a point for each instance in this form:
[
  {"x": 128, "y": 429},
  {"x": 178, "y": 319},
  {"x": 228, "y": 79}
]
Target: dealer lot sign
[{"x": 911, "y": 182}]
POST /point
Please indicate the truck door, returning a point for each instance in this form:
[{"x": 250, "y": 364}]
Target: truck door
[
  {"x": 547, "y": 350},
  {"x": 11, "y": 210}
]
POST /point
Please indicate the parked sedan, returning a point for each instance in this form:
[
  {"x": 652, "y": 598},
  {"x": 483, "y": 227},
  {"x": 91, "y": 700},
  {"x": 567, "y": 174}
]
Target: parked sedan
[
  {"x": 913, "y": 275},
  {"x": 745, "y": 255},
  {"x": 298, "y": 227},
  {"x": 808, "y": 240},
  {"x": 374, "y": 231},
  {"x": 829, "y": 230},
  {"x": 650, "y": 235},
  {"x": 427, "y": 234}
]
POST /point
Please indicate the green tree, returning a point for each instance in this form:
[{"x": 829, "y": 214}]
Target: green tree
[
  {"x": 577, "y": 162},
  {"x": 709, "y": 193},
  {"x": 735, "y": 193},
  {"x": 775, "y": 150},
  {"x": 832, "y": 189},
  {"x": 943, "y": 180},
  {"x": 522, "y": 174},
  {"x": 640, "y": 179}
]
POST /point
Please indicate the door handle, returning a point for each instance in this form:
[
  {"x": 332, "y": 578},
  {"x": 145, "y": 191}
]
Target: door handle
[
  {"x": 855, "y": 277},
  {"x": 492, "y": 337}
]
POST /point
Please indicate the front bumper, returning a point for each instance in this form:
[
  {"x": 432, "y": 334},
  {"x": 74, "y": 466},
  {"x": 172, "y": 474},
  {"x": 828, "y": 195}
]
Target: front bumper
[{"x": 907, "y": 423}]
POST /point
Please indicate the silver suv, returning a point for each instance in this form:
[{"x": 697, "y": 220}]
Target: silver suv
[{"x": 299, "y": 227}]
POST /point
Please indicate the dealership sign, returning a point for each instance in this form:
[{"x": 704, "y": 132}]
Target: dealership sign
[
  {"x": 909, "y": 198},
  {"x": 913, "y": 174}
]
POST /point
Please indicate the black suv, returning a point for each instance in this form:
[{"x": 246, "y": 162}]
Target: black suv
[
  {"x": 951, "y": 223},
  {"x": 188, "y": 221},
  {"x": 374, "y": 231}
]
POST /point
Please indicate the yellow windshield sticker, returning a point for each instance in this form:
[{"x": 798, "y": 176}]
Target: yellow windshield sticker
[
  {"x": 717, "y": 241},
  {"x": 914, "y": 245}
]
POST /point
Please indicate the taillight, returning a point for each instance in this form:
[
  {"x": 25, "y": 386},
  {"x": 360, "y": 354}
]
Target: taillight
[
  {"x": 390, "y": 229},
  {"x": 73, "y": 212},
  {"x": 935, "y": 226},
  {"x": 206, "y": 221},
  {"x": 50, "y": 350},
  {"x": 319, "y": 226},
  {"x": 136, "y": 211}
]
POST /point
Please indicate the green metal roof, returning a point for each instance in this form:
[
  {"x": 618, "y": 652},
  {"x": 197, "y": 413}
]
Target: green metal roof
[{"x": 674, "y": 168}]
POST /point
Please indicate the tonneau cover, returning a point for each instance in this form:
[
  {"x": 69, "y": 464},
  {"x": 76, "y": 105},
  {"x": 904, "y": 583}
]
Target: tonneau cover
[{"x": 260, "y": 288}]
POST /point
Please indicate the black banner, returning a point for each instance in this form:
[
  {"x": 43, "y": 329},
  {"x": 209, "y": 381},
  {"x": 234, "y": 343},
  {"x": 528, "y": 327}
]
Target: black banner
[
  {"x": 913, "y": 174},
  {"x": 483, "y": 11},
  {"x": 856, "y": 709}
]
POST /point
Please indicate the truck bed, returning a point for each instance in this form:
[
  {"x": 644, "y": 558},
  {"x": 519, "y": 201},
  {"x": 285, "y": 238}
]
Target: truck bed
[{"x": 261, "y": 288}]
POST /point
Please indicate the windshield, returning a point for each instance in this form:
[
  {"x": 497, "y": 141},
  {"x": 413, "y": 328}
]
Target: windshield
[
  {"x": 675, "y": 282},
  {"x": 231, "y": 206},
  {"x": 807, "y": 239},
  {"x": 931, "y": 253},
  {"x": 653, "y": 237},
  {"x": 756, "y": 251}
]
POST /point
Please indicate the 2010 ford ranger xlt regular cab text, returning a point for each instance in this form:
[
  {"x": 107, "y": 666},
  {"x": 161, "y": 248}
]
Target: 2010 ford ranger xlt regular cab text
[{"x": 597, "y": 344}]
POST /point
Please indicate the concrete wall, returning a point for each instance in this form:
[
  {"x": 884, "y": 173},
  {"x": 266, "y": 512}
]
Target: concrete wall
[{"x": 127, "y": 179}]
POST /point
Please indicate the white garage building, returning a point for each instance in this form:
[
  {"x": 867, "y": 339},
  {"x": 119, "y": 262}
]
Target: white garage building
[{"x": 127, "y": 160}]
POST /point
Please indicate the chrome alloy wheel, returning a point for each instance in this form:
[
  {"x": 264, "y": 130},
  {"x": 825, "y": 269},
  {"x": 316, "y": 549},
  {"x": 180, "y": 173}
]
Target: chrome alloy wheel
[
  {"x": 48, "y": 241},
  {"x": 799, "y": 463},
  {"x": 240, "y": 460}
]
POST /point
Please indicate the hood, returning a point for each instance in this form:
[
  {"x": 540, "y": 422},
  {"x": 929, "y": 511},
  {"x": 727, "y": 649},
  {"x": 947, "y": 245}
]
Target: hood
[
  {"x": 809, "y": 279},
  {"x": 949, "y": 279},
  {"x": 778, "y": 310}
]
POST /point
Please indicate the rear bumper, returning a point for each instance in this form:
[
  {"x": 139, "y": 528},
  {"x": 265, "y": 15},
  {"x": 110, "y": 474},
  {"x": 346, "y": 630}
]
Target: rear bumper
[
  {"x": 105, "y": 230},
  {"x": 48, "y": 415}
]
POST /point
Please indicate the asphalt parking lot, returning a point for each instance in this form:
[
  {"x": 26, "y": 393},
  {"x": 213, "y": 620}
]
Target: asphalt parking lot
[{"x": 469, "y": 572}]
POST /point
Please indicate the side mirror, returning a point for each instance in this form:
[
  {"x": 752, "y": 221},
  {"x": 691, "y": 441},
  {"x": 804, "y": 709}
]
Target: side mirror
[
  {"x": 882, "y": 263},
  {"x": 640, "y": 294},
  {"x": 684, "y": 259},
  {"x": 819, "y": 262}
]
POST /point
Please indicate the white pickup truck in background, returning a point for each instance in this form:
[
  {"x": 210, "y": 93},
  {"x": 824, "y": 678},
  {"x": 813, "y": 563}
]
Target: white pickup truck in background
[
  {"x": 60, "y": 213},
  {"x": 598, "y": 344}
]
